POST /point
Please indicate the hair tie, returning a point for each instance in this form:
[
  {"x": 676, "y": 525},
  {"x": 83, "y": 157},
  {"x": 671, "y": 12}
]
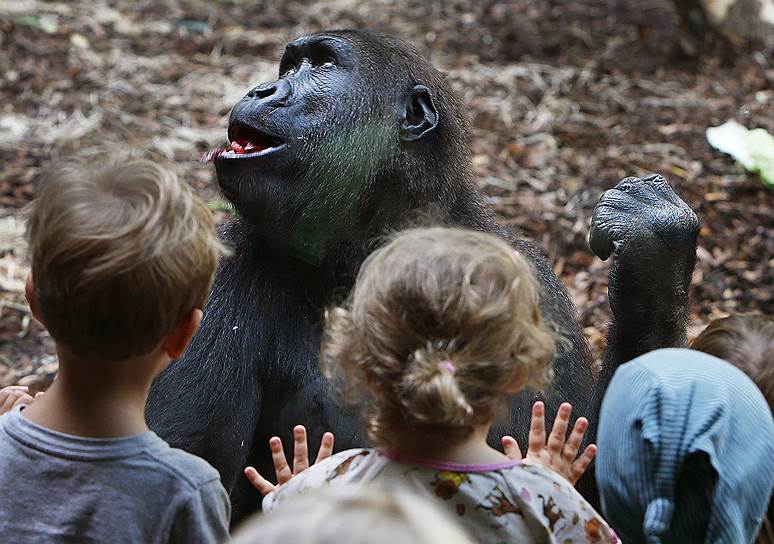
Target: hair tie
[{"x": 448, "y": 366}]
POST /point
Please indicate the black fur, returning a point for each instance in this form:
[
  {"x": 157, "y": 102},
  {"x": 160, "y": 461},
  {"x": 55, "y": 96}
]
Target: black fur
[{"x": 367, "y": 156}]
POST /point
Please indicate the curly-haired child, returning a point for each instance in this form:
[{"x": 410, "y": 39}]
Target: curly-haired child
[{"x": 442, "y": 327}]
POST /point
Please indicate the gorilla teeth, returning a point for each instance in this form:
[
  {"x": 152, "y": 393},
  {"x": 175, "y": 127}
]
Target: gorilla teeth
[
  {"x": 245, "y": 139},
  {"x": 237, "y": 149},
  {"x": 240, "y": 148}
]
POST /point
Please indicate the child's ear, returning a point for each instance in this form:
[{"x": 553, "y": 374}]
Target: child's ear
[
  {"x": 32, "y": 300},
  {"x": 178, "y": 339}
]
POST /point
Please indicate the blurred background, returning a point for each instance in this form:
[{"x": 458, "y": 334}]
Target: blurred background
[{"x": 566, "y": 97}]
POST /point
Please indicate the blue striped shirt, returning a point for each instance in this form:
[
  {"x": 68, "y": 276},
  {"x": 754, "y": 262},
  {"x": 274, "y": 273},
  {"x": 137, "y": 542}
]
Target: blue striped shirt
[{"x": 686, "y": 450}]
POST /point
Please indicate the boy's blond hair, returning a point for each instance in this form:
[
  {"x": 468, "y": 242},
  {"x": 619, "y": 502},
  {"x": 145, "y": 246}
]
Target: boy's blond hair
[
  {"x": 442, "y": 325},
  {"x": 121, "y": 252}
]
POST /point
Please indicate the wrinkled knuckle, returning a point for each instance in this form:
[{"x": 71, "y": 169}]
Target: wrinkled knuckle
[
  {"x": 605, "y": 222},
  {"x": 656, "y": 179},
  {"x": 627, "y": 183}
]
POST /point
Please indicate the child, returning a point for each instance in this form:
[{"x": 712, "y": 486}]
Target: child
[
  {"x": 442, "y": 328},
  {"x": 747, "y": 342},
  {"x": 686, "y": 450},
  {"x": 123, "y": 255},
  {"x": 357, "y": 515}
]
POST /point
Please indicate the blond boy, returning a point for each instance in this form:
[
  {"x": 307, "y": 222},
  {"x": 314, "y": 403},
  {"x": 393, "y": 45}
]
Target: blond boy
[{"x": 123, "y": 256}]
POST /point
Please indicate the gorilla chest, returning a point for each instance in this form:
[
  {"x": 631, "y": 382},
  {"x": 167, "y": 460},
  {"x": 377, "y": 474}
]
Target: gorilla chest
[{"x": 278, "y": 330}]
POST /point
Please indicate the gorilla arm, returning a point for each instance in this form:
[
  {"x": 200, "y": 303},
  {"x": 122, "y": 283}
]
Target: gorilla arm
[{"x": 651, "y": 234}]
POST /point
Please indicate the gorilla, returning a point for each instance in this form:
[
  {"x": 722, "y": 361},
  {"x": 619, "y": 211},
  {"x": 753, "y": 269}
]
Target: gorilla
[{"x": 357, "y": 138}]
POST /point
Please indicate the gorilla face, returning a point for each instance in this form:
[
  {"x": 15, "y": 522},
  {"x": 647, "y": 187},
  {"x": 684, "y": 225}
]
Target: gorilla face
[
  {"x": 279, "y": 129},
  {"x": 304, "y": 148}
]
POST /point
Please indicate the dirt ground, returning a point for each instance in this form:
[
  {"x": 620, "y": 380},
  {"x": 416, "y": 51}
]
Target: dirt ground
[{"x": 566, "y": 97}]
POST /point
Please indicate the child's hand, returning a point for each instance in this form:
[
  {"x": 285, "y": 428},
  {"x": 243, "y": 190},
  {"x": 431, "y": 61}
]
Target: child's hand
[
  {"x": 300, "y": 460},
  {"x": 555, "y": 454},
  {"x": 12, "y": 396}
]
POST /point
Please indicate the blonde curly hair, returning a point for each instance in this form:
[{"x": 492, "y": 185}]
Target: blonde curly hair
[{"x": 442, "y": 326}]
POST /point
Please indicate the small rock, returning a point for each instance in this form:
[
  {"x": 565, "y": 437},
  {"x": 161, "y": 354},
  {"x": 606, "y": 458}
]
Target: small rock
[{"x": 79, "y": 41}]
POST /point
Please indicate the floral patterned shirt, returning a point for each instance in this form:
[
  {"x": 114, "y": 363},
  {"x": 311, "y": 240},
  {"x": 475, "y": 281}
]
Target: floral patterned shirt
[{"x": 506, "y": 502}]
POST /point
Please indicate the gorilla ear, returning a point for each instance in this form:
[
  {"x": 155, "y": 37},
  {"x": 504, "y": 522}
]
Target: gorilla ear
[{"x": 418, "y": 115}]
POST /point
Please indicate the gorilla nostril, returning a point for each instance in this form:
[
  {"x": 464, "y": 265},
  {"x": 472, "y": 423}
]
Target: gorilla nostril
[{"x": 260, "y": 94}]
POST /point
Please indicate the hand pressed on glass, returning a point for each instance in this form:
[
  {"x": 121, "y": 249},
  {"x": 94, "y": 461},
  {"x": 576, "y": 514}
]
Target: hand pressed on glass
[
  {"x": 558, "y": 452},
  {"x": 282, "y": 469}
]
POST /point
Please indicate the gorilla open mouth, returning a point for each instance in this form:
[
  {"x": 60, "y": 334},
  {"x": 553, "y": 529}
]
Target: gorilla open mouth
[{"x": 246, "y": 142}]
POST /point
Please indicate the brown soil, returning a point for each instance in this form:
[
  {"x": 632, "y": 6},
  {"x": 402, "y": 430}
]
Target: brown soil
[{"x": 566, "y": 97}]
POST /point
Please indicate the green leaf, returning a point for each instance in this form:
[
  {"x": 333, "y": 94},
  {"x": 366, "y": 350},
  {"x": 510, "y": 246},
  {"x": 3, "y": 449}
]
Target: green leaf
[{"x": 47, "y": 23}]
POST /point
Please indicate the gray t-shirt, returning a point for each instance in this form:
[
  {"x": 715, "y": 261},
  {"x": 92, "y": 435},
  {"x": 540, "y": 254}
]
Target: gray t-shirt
[{"x": 55, "y": 487}]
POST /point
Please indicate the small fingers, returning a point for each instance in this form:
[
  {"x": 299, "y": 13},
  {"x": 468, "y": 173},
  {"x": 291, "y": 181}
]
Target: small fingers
[
  {"x": 582, "y": 463},
  {"x": 259, "y": 482},
  {"x": 300, "y": 450},
  {"x": 20, "y": 388},
  {"x": 13, "y": 396},
  {"x": 559, "y": 430},
  {"x": 281, "y": 468},
  {"x": 537, "y": 428},
  {"x": 23, "y": 398},
  {"x": 326, "y": 447},
  {"x": 6, "y": 402},
  {"x": 574, "y": 441},
  {"x": 511, "y": 447}
]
